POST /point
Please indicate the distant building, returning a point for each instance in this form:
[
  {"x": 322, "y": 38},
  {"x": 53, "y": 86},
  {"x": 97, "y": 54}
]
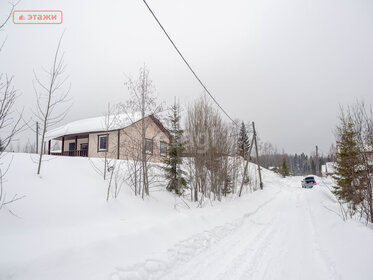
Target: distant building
[
  {"x": 118, "y": 137},
  {"x": 328, "y": 169}
]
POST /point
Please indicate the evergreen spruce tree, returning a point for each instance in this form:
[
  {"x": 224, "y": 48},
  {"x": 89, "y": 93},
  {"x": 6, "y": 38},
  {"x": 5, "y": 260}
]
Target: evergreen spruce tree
[
  {"x": 173, "y": 172},
  {"x": 348, "y": 167},
  {"x": 243, "y": 142},
  {"x": 284, "y": 168}
]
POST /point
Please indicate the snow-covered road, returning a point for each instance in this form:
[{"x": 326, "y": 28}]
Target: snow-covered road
[
  {"x": 278, "y": 242},
  {"x": 281, "y": 239}
]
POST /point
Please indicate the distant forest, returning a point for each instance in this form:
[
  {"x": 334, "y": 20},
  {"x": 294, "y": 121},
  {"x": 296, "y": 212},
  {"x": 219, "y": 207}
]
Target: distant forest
[{"x": 301, "y": 164}]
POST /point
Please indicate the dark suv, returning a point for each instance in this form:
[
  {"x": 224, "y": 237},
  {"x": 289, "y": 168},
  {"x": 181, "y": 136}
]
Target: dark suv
[{"x": 308, "y": 182}]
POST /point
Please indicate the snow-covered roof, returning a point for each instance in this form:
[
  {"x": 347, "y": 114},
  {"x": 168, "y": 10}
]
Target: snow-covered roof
[{"x": 103, "y": 123}]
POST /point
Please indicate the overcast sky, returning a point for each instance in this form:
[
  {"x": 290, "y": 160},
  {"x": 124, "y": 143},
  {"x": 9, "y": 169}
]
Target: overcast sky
[{"x": 287, "y": 64}]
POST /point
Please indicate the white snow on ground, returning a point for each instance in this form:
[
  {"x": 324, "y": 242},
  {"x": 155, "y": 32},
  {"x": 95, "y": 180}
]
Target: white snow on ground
[{"x": 68, "y": 231}]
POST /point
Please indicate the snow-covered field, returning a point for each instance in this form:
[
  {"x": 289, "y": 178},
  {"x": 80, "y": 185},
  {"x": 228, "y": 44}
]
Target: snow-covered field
[{"x": 67, "y": 230}]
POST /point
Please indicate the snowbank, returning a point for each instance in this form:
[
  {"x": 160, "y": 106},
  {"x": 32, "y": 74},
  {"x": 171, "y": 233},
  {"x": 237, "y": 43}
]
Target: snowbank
[
  {"x": 67, "y": 230},
  {"x": 65, "y": 216}
]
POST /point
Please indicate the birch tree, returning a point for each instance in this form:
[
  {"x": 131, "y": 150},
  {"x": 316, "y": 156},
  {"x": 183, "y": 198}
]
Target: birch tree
[
  {"x": 141, "y": 104},
  {"x": 10, "y": 121},
  {"x": 51, "y": 97}
]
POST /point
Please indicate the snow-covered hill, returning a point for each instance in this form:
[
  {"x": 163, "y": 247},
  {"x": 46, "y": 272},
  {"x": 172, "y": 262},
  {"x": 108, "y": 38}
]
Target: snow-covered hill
[{"x": 67, "y": 230}]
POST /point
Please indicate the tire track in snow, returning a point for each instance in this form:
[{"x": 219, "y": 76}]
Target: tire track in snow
[
  {"x": 229, "y": 258},
  {"x": 184, "y": 251},
  {"x": 270, "y": 248},
  {"x": 333, "y": 274},
  {"x": 281, "y": 243},
  {"x": 262, "y": 262},
  {"x": 247, "y": 264}
]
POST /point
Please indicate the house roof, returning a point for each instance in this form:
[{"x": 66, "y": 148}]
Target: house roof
[{"x": 99, "y": 124}]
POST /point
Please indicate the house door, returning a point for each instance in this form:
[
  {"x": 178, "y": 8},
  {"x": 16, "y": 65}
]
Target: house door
[
  {"x": 84, "y": 149},
  {"x": 71, "y": 149}
]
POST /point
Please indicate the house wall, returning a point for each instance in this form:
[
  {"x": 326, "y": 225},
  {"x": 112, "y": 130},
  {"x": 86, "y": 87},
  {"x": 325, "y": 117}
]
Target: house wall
[
  {"x": 130, "y": 141},
  {"x": 112, "y": 145},
  {"x": 80, "y": 141}
]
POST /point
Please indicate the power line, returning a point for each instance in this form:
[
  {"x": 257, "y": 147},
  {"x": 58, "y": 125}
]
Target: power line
[{"x": 186, "y": 62}]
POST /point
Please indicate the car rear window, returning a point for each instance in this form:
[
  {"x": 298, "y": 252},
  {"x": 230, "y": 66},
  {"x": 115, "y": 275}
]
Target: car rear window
[{"x": 310, "y": 178}]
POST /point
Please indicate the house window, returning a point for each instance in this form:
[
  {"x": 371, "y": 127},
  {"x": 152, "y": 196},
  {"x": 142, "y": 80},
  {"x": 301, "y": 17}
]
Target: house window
[
  {"x": 149, "y": 146},
  {"x": 163, "y": 149},
  {"x": 102, "y": 143},
  {"x": 84, "y": 146}
]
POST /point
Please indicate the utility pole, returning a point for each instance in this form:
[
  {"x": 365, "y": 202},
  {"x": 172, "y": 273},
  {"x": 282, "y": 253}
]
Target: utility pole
[
  {"x": 257, "y": 158},
  {"x": 247, "y": 163},
  {"x": 317, "y": 160},
  {"x": 37, "y": 137}
]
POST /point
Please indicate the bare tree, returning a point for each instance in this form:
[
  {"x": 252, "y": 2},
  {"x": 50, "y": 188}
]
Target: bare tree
[
  {"x": 13, "y": 5},
  {"x": 331, "y": 153},
  {"x": 141, "y": 105},
  {"x": 50, "y": 96},
  {"x": 5, "y": 21},
  {"x": 10, "y": 121},
  {"x": 117, "y": 179},
  {"x": 363, "y": 123},
  {"x": 4, "y": 201},
  {"x": 212, "y": 150},
  {"x": 111, "y": 122}
]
